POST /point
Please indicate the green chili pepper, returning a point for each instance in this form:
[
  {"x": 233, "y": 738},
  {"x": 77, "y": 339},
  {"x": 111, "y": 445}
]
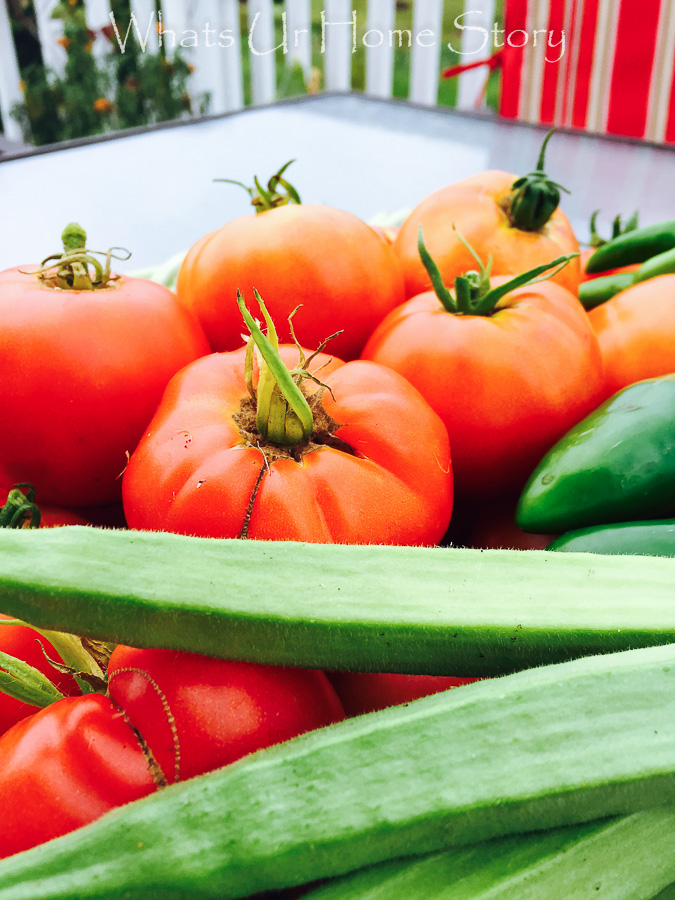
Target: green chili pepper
[
  {"x": 598, "y": 290},
  {"x": 634, "y": 246},
  {"x": 656, "y": 538},
  {"x": 617, "y": 465},
  {"x": 662, "y": 264}
]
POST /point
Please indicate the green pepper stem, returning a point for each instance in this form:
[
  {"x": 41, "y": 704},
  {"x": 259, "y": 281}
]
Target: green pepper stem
[
  {"x": 264, "y": 199},
  {"x": 283, "y": 415}
]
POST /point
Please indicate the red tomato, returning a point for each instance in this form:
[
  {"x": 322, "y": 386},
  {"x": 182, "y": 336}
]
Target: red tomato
[
  {"x": 507, "y": 386},
  {"x": 636, "y": 333},
  {"x": 24, "y": 643},
  {"x": 197, "y": 714},
  {"x": 382, "y": 476},
  {"x": 364, "y": 692},
  {"x": 64, "y": 767},
  {"x": 82, "y": 373},
  {"x": 343, "y": 274},
  {"x": 170, "y": 716},
  {"x": 475, "y": 208}
]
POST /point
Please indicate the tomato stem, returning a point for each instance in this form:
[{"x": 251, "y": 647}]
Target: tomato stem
[
  {"x": 20, "y": 509},
  {"x": 283, "y": 415},
  {"x": 20, "y": 680},
  {"x": 264, "y": 199},
  {"x": 71, "y": 270},
  {"x": 474, "y": 295},
  {"x": 534, "y": 197}
]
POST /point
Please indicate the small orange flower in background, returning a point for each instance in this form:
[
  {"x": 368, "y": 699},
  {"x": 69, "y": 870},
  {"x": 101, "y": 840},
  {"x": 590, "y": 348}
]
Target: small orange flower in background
[
  {"x": 63, "y": 41},
  {"x": 88, "y": 47},
  {"x": 103, "y": 105},
  {"x": 191, "y": 68},
  {"x": 22, "y": 86}
]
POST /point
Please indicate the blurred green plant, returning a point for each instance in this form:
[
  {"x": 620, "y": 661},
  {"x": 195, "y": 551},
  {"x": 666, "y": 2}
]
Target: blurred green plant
[{"x": 96, "y": 94}]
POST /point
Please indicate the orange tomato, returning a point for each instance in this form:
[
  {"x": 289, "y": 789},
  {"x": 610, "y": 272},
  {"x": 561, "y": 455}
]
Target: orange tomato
[
  {"x": 344, "y": 275},
  {"x": 636, "y": 333},
  {"x": 506, "y": 385},
  {"x": 476, "y": 208}
]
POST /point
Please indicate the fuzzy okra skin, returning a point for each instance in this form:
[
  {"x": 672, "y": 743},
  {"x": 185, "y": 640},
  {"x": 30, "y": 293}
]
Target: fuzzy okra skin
[
  {"x": 365, "y": 608},
  {"x": 630, "y": 858},
  {"x": 544, "y": 748}
]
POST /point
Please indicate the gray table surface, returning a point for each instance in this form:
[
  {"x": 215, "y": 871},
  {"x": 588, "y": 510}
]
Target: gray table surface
[{"x": 153, "y": 192}]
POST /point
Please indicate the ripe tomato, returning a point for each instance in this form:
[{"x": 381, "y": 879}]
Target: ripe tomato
[
  {"x": 476, "y": 208},
  {"x": 64, "y": 767},
  {"x": 507, "y": 385},
  {"x": 364, "y": 692},
  {"x": 197, "y": 714},
  {"x": 26, "y": 644},
  {"x": 376, "y": 471},
  {"x": 82, "y": 373},
  {"x": 344, "y": 275},
  {"x": 636, "y": 333},
  {"x": 169, "y": 716}
]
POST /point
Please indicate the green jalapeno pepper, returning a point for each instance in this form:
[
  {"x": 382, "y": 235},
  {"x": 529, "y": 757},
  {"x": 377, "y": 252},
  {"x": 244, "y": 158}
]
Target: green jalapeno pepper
[
  {"x": 655, "y": 538},
  {"x": 634, "y": 246},
  {"x": 617, "y": 465},
  {"x": 598, "y": 290}
]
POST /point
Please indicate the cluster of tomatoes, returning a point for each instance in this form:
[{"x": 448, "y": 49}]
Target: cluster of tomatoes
[{"x": 452, "y": 368}]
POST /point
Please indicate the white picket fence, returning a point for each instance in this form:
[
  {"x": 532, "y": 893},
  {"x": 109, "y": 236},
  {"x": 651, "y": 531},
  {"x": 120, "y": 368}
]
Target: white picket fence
[{"x": 217, "y": 59}]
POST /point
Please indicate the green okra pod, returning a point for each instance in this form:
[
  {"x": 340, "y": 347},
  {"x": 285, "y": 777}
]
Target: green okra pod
[
  {"x": 545, "y": 748},
  {"x": 365, "y": 608},
  {"x": 616, "y": 859}
]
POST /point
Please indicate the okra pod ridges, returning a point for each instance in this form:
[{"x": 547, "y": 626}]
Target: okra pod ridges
[
  {"x": 545, "y": 748},
  {"x": 625, "y": 859},
  {"x": 365, "y": 608}
]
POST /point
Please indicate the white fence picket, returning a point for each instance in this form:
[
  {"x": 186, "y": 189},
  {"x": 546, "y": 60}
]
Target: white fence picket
[
  {"x": 10, "y": 77},
  {"x": 50, "y": 30},
  {"x": 426, "y": 51},
  {"x": 262, "y": 53},
  {"x": 299, "y": 29},
  {"x": 232, "y": 75},
  {"x": 475, "y": 45},
  {"x": 176, "y": 17},
  {"x": 144, "y": 25},
  {"x": 338, "y": 37},
  {"x": 380, "y": 47},
  {"x": 97, "y": 13}
]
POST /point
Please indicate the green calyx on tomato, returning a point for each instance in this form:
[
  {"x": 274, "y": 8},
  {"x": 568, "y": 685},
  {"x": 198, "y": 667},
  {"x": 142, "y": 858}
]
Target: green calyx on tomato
[
  {"x": 284, "y": 416},
  {"x": 20, "y": 509},
  {"x": 534, "y": 197},
  {"x": 264, "y": 199},
  {"x": 71, "y": 270},
  {"x": 474, "y": 295}
]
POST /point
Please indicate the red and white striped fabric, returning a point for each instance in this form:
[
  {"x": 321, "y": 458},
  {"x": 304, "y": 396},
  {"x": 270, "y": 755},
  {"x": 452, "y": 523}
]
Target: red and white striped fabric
[{"x": 616, "y": 75}]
